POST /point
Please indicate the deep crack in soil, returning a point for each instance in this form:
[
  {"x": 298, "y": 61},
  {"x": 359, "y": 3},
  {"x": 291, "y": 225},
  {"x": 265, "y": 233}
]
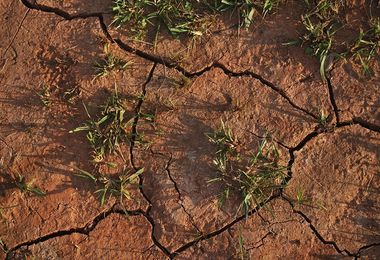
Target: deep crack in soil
[
  {"x": 86, "y": 229},
  {"x": 180, "y": 199}
]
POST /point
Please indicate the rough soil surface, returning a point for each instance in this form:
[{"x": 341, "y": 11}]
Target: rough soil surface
[{"x": 247, "y": 78}]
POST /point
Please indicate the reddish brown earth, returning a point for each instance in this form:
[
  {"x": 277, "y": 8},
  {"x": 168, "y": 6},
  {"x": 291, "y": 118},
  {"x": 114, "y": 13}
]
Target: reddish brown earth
[{"x": 248, "y": 79}]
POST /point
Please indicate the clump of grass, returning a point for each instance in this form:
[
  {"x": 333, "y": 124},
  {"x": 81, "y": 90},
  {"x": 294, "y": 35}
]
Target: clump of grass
[
  {"x": 254, "y": 177},
  {"x": 109, "y": 129},
  {"x": 183, "y": 17},
  {"x": 118, "y": 187},
  {"x": 226, "y": 144},
  {"x": 247, "y": 9},
  {"x": 28, "y": 187},
  {"x": 177, "y": 16},
  {"x": 112, "y": 127},
  {"x": 109, "y": 63},
  {"x": 321, "y": 24},
  {"x": 367, "y": 46}
]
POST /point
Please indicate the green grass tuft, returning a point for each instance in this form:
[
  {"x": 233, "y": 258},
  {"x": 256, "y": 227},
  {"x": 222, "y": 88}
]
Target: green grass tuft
[
  {"x": 109, "y": 129},
  {"x": 367, "y": 46},
  {"x": 183, "y": 17},
  {"x": 118, "y": 187},
  {"x": 109, "y": 63},
  {"x": 28, "y": 187},
  {"x": 254, "y": 177}
]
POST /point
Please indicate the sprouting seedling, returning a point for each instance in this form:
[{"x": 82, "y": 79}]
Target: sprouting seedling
[
  {"x": 246, "y": 9},
  {"x": 117, "y": 187},
  {"x": 262, "y": 176},
  {"x": 242, "y": 251},
  {"x": 301, "y": 197},
  {"x": 324, "y": 119},
  {"x": 176, "y": 16},
  {"x": 71, "y": 93},
  {"x": 28, "y": 187}
]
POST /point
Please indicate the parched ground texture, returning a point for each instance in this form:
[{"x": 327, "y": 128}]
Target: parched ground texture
[{"x": 247, "y": 78}]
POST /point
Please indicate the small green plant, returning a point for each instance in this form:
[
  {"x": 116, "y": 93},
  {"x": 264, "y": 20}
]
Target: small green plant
[
  {"x": 3, "y": 246},
  {"x": 247, "y": 9},
  {"x": 254, "y": 177},
  {"x": 367, "y": 46},
  {"x": 324, "y": 119},
  {"x": 168, "y": 102},
  {"x": 243, "y": 253},
  {"x": 142, "y": 142},
  {"x": 320, "y": 25},
  {"x": 177, "y": 16},
  {"x": 226, "y": 144},
  {"x": 45, "y": 95},
  {"x": 109, "y": 63},
  {"x": 302, "y": 199},
  {"x": 319, "y": 41},
  {"x": 117, "y": 187},
  {"x": 269, "y": 5},
  {"x": 28, "y": 187},
  {"x": 109, "y": 129},
  {"x": 183, "y": 17},
  {"x": 112, "y": 127}
]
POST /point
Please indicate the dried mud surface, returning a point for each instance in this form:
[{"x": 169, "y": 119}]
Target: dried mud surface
[{"x": 249, "y": 80}]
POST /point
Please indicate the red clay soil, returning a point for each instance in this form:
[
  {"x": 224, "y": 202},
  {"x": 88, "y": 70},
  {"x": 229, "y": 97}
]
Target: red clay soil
[{"x": 246, "y": 78}]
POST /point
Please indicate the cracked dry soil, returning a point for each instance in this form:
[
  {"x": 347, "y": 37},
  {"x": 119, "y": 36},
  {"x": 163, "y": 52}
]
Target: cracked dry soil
[{"x": 250, "y": 80}]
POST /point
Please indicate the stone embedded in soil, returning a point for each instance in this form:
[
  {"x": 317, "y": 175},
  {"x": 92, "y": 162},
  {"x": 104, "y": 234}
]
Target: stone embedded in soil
[{"x": 339, "y": 173}]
